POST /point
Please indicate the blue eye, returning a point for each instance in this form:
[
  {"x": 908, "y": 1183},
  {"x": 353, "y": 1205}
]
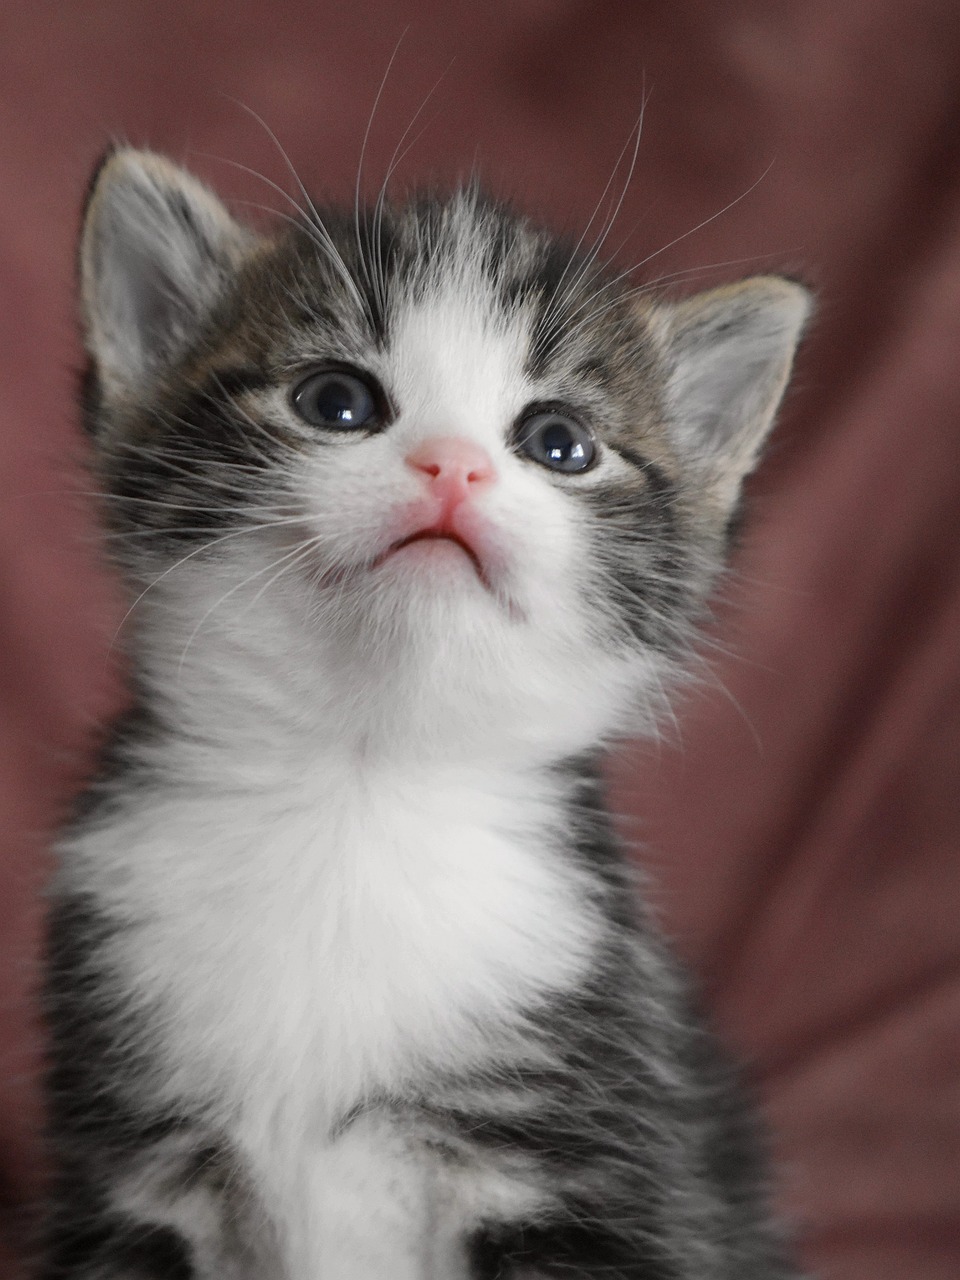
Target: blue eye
[
  {"x": 556, "y": 440},
  {"x": 339, "y": 401}
]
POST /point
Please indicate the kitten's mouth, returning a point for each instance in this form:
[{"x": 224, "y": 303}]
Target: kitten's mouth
[{"x": 439, "y": 535}]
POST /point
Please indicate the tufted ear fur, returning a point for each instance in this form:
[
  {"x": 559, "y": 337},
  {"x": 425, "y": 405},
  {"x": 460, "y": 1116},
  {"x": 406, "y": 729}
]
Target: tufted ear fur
[
  {"x": 728, "y": 354},
  {"x": 156, "y": 250}
]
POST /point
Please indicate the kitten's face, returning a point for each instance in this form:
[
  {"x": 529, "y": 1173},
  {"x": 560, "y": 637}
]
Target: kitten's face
[{"x": 430, "y": 466}]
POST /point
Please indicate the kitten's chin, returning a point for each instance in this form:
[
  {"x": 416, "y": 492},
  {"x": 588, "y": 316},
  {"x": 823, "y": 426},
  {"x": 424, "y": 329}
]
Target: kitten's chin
[
  {"x": 443, "y": 568},
  {"x": 443, "y": 558}
]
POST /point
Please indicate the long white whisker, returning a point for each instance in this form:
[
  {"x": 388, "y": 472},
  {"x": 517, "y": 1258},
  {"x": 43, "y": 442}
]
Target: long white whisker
[
  {"x": 192, "y": 507},
  {"x": 169, "y": 462},
  {"x": 125, "y": 535},
  {"x": 259, "y": 428},
  {"x": 594, "y": 313},
  {"x": 706, "y": 221},
  {"x": 566, "y": 286},
  {"x": 365, "y": 259},
  {"x": 312, "y": 224},
  {"x": 207, "y": 546},
  {"x": 395, "y": 159},
  {"x": 650, "y": 286},
  {"x": 592, "y": 256},
  {"x": 298, "y": 552}
]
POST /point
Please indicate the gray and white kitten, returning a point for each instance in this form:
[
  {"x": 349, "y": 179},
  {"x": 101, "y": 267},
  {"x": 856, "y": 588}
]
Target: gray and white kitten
[{"x": 348, "y": 978}]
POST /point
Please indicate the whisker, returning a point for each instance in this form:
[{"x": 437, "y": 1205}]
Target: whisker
[
  {"x": 395, "y": 160},
  {"x": 593, "y": 314},
  {"x": 298, "y": 552},
  {"x": 565, "y": 287},
  {"x": 259, "y": 427},
  {"x": 636, "y": 133},
  {"x": 207, "y": 546},
  {"x": 122, "y": 535},
  {"x": 312, "y": 223},
  {"x": 170, "y": 457},
  {"x": 706, "y": 221},
  {"x": 366, "y": 260},
  {"x": 245, "y": 509}
]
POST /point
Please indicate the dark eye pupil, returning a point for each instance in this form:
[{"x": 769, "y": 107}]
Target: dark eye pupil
[
  {"x": 335, "y": 399},
  {"x": 340, "y": 400},
  {"x": 556, "y": 441},
  {"x": 559, "y": 444}
]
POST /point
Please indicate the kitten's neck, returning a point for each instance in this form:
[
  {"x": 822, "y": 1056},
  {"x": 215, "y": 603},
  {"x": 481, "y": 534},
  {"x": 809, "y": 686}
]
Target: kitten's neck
[
  {"x": 219, "y": 734},
  {"x": 224, "y": 703}
]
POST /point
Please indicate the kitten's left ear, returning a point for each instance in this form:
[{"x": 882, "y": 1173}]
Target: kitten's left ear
[
  {"x": 156, "y": 250},
  {"x": 728, "y": 354}
]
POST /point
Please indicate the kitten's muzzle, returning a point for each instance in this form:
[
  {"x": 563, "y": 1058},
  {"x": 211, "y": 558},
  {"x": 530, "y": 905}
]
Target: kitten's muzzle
[{"x": 454, "y": 472}]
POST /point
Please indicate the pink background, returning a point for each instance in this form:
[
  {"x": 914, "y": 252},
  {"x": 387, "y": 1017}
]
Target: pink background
[{"x": 802, "y": 826}]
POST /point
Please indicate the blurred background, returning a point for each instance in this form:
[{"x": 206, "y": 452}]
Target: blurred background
[{"x": 801, "y": 826}]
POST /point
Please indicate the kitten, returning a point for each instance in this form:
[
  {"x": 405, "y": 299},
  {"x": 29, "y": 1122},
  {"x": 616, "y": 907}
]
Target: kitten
[{"x": 348, "y": 977}]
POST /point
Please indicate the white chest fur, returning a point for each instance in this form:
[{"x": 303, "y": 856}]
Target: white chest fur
[{"x": 307, "y": 945}]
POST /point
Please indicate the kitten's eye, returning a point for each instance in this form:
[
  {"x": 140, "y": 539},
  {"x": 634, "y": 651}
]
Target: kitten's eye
[
  {"x": 557, "y": 441},
  {"x": 338, "y": 400}
]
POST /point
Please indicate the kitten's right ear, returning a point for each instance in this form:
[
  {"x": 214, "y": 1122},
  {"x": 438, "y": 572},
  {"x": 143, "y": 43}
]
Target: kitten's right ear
[
  {"x": 728, "y": 354},
  {"x": 156, "y": 250}
]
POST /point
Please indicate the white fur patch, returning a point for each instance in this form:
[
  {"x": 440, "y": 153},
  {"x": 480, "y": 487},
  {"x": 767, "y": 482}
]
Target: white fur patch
[{"x": 303, "y": 949}]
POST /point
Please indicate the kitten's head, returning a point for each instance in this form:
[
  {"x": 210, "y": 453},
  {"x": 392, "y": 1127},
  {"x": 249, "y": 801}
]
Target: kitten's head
[{"x": 422, "y": 470}]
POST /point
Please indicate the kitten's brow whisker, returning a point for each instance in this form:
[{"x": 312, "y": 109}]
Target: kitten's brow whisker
[
  {"x": 284, "y": 155},
  {"x": 706, "y": 221},
  {"x": 702, "y": 269},
  {"x": 312, "y": 224},
  {"x": 560, "y": 291},
  {"x": 647, "y": 287},
  {"x": 299, "y": 224},
  {"x": 304, "y": 221},
  {"x": 606, "y": 284},
  {"x": 594, "y": 313},
  {"x": 636, "y": 133},
  {"x": 395, "y": 160},
  {"x": 565, "y": 287},
  {"x": 314, "y": 217},
  {"x": 365, "y": 260}
]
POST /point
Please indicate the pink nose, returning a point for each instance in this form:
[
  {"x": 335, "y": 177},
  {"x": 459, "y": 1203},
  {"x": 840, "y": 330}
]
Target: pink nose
[{"x": 456, "y": 467}]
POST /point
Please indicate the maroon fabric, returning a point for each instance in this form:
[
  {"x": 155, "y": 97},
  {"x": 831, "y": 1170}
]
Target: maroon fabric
[{"x": 801, "y": 826}]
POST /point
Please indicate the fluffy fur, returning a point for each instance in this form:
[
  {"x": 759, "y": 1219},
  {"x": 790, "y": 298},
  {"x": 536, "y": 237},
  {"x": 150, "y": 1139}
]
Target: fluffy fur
[{"x": 348, "y": 976}]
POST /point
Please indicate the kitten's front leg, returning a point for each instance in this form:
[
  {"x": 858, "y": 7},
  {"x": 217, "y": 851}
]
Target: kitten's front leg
[
  {"x": 372, "y": 1204},
  {"x": 174, "y": 1207},
  {"x": 114, "y": 1248}
]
